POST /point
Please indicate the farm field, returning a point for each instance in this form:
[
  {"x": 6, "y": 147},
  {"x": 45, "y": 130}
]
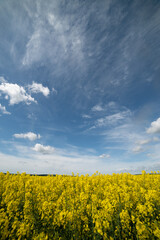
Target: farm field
[{"x": 117, "y": 206}]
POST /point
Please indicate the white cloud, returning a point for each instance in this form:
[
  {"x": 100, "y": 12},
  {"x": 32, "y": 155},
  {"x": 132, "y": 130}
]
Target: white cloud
[
  {"x": 39, "y": 88},
  {"x": 154, "y": 152},
  {"x": 156, "y": 139},
  {"x": 86, "y": 116},
  {"x": 3, "y": 109},
  {"x": 155, "y": 127},
  {"x": 15, "y": 93},
  {"x": 2, "y": 80},
  {"x": 144, "y": 141},
  {"x": 60, "y": 164},
  {"x": 97, "y": 108},
  {"x": 104, "y": 156},
  {"x": 30, "y": 135},
  {"x": 64, "y": 39},
  {"x": 54, "y": 90},
  {"x": 111, "y": 104},
  {"x": 32, "y": 116},
  {"x": 53, "y": 22},
  {"x": 138, "y": 149},
  {"x": 123, "y": 137},
  {"x": 114, "y": 118},
  {"x": 43, "y": 149},
  {"x": 34, "y": 50}
]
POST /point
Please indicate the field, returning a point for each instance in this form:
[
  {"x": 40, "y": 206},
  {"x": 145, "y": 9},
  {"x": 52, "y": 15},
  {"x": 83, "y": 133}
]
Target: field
[{"x": 117, "y": 206}]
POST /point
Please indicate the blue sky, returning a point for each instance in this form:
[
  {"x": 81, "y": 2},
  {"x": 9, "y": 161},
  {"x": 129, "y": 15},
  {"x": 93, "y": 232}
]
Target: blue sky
[{"x": 79, "y": 86}]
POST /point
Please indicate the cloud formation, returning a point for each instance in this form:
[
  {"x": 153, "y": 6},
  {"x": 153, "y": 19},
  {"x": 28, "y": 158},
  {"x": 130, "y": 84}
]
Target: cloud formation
[
  {"x": 64, "y": 39},
  {"x": 15, "y": 93},
  {"x": 105, "y": 156},
  {"x": 144, "y": 141},
  {"x": 54, "y": 90},
  {"x": 138, "y": 149},
  {"x": 39, "y": 88},
  {"x": 97, "y": 108},
  {"x": 113, "y": 118},
  {"x": 43, "y": 149},
  {"x": 2, "y": 80},
  {"x": 30, "y": 136},
  {"x": 86, "y": 116},
  {"x": 3, "y": 109},
  {"x": 155, "y": 127}
]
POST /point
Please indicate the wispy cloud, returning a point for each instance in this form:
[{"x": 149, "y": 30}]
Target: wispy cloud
[
  {"x": 34, "y": 50},
  {"x": 3, "y": 109},
  {"x": 138, "y": 149},
  {"x": 130, "y": 138},
  {"x": 104, "y": 155},
  {"x": 30, "y": 136},
  {"x": 2, "y": 80},
  {"x": 64, "y": 39},
  {"x": 97, "y": 108},
  {"x": 54, "y": 90},
  {"x": 59, "y": 164},
  {"x": 113, "y": 119},
  {"x": 144, "y": 141},
  {"x": 86, "y": 116}
]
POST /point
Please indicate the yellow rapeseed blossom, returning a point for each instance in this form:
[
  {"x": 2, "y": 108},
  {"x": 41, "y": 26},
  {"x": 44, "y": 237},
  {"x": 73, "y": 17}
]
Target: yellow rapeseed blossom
[{"x": 118, "y": 206}]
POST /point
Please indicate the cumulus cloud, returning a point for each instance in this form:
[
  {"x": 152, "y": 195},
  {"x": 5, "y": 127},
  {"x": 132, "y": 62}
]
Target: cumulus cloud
[
  {"x": 15, "y": 93},
  {"x": 30, "y": 135},
  {"x": 105, "y": 156},
  {"x": 3, "y": 109},
  {"x": 43, "y": 149},
  {"x": 39, "y": 88},
  {"x": 155, "y": 127},
  {"x": 97, "y": 108}
]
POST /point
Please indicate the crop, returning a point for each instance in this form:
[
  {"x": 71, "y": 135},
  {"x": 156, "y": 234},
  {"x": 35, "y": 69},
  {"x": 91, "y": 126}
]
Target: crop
[{"x": 117, "y": 206}]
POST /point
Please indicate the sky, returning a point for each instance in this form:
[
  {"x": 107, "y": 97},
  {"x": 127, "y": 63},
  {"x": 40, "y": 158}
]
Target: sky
[{"x": 79, "y": 86}]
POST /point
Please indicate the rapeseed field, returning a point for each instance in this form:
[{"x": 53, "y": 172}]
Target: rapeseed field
[{"x": 117, "y": 206}]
